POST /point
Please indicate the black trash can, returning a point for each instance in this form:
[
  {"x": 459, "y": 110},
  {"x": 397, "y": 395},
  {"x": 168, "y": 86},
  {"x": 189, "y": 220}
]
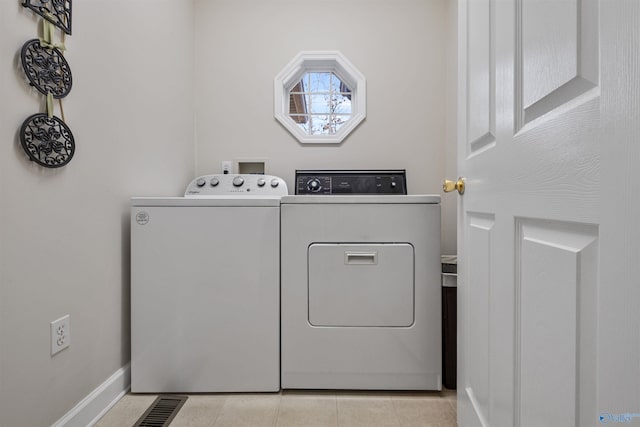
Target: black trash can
[{"x": 449, "y": 320}]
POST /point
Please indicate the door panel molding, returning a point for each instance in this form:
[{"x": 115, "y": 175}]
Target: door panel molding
[
  {"x": 478, "y": 305},
  {"x": 556, "y": 54},
  {"x": 481, "y": 123},
  {"x": 556, "y": 283}
]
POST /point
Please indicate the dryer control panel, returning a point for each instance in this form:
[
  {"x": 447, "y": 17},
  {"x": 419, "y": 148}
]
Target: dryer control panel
[
  {"x": 236, "y": 185},
  {"x": 352, "y": 182}
]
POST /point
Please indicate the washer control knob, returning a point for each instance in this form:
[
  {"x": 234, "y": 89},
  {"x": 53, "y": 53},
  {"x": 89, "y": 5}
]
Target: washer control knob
[
  {"x": 261, "y": 182},
  {"x": 214, "y": 182},
  {"x": 275, "y": 183},
  {"x": 238, "y": 181},
  {"x": 393, "y": 184},
  {"x": 200, "y": 182}
]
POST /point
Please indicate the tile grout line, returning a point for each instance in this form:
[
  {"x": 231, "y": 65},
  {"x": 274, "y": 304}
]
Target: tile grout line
[
  {"x": 395, "y": 411},
  {"x": 275, "y": 419},
  {"x": 220, "y": 411},
  {"x": 454, "y": 406}
]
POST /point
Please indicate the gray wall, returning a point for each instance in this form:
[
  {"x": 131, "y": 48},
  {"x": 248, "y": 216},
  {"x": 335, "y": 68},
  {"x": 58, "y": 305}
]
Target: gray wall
[
  {"x": 398, "y": 45},
  {"x": 64, "y": 233},
  {"x": 450, "y": 201}
]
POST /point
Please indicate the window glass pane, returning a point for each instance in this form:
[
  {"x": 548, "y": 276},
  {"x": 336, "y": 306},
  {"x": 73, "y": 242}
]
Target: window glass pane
[
  {"x": 340, "y": 120},
  {"x": 304, "y": 125},
  {"x": 318, "y": 82},
  {"x": 317, "y": 124},
  {"x": 341, "y": 104},
  {"x": 335, "y": 83},
  {"x": 300, "y": 118},
  {"x": 298, "y": 88},
  {"x": 297, "y": 104},
  {"x": 320, "y": 103}
]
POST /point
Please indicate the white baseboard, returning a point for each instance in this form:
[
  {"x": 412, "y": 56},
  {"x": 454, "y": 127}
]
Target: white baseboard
[{"x": 90, "y": 409}]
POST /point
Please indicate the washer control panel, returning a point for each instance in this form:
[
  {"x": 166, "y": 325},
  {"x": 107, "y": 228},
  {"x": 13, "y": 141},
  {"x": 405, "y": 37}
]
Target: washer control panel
[
  {"x": 236, "y": 184},
  {"x": 354, "y": 182}
]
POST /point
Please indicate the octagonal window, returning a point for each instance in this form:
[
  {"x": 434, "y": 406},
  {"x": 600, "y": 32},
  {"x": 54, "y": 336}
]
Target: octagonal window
[{"x": 320, "y": 97}]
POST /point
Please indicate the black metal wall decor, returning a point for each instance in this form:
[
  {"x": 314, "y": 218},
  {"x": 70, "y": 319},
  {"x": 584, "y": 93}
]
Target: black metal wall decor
[
  {"x": 47, "y": 141},
  {"x": 45, "y": 138},
  {"x": 46, "y": 69},
  {"x": 58, "y": 12}
]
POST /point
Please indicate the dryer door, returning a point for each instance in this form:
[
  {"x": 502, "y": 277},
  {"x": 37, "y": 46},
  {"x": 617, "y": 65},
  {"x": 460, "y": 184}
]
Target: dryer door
[{"x": 361, "y": 284}]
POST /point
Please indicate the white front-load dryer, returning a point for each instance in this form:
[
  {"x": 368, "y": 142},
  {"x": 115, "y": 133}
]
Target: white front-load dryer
[
  {"x": 360, "y": 286},
  {"x": 205, "y": 287}
]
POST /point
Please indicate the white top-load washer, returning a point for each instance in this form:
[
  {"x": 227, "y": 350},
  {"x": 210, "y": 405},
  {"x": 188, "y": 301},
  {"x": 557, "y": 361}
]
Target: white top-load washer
[
  {"x": 205, "y": 287},
  {"x": 360, "y": 283}
]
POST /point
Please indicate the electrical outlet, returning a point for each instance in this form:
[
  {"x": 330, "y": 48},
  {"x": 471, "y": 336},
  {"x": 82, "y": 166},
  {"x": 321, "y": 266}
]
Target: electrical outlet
[
  {"x": 227, "y": 166},
  {"x": 60, "y": 334}
]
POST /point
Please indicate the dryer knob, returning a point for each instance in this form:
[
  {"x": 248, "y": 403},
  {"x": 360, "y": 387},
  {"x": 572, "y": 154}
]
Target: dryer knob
[
  {"x": 393, "y": 184},
  {"x": 261, "y": 182},
  {"x": 274, "y": 183},
  {"x": 215, "y": 182},
  {"x": 200, "y": 182},
  {"x": 314, "y": 185},
  {"x": 238, "y": 181}
]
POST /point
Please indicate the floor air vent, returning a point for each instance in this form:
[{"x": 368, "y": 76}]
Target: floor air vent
[{"x": 161, "y": 412}]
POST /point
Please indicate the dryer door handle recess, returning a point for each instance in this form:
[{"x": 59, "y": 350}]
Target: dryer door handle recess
[{"x": 361, "y": 258}]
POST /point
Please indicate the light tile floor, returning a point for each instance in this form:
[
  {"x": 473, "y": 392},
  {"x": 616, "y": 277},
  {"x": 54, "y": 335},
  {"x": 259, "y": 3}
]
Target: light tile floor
[{"x": 299, "y": 409}]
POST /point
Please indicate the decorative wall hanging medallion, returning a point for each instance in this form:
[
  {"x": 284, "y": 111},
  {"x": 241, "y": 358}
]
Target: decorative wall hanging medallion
[
  {"x": 58, "y": 12},
  {"x": 46, "y": 69},
  {"x": 47, "y": 141}
]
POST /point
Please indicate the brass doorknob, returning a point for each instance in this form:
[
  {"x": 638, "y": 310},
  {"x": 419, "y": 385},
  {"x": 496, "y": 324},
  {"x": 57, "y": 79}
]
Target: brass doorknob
[{"x": 449, "y": 186}]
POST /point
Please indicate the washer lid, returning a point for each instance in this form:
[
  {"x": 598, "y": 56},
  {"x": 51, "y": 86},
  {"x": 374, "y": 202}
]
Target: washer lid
[
  {"x": 233, "y": 201},
  {"x": 364, "y": 199}
]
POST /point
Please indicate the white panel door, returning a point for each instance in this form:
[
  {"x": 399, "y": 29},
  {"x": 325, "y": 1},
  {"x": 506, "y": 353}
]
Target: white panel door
[{"x": 549, "y": 253}]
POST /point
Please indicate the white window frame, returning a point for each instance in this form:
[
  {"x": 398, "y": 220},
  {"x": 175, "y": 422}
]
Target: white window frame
[{"x": 320, "y": 61}]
